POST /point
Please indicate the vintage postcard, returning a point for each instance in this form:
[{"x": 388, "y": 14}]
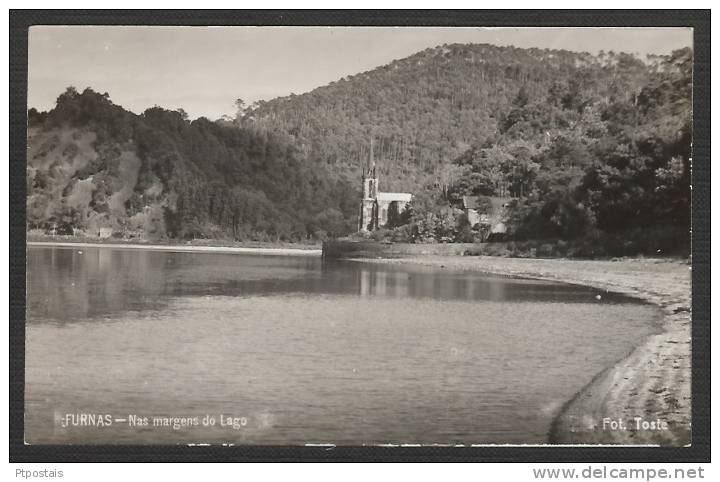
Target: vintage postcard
[{"x": 358, "y": 236}]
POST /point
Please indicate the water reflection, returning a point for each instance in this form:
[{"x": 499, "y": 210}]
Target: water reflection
[
  {"x": 67, "y": 284},
  {"x": 344, "y": 352}
]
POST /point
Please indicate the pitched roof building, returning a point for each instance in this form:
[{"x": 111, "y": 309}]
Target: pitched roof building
[{"x": 487, "y": 211}]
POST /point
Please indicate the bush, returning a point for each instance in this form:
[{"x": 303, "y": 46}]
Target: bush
[
  {"x": 403, "y": 234},
  {"x": 381, "y": 235}
]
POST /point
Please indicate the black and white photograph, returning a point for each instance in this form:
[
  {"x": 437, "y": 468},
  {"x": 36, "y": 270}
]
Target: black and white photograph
[{"x": 379, "y": 236}]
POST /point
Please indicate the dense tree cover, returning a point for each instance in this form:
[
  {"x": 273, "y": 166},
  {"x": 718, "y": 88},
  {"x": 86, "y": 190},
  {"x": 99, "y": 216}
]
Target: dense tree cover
[
  {"x": 588, "y": 145},
  {"x": 427, "y": 109},
  {"x": 603, "y": 153},
  {"x": 596, "y": 164},
  {"x": 92, "y": 164}
]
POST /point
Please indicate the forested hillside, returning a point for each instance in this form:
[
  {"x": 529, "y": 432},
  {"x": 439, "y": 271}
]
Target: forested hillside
[
  {"x": 92, "y": 164},
  {"x": 604, "y": 159},
  {"x": 427, "y": 109},
  {"x": 594, "y": 147},
  {"x": 588, "y": 145}
]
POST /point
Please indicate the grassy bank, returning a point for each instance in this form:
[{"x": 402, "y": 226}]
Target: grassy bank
[{"x": 652, "y": 382}]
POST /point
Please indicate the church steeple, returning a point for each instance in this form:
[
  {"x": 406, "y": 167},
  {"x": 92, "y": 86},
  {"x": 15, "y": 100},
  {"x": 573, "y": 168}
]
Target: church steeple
[
  {"x": 370, "y": 181},
  {"x": 377, "y": 208}
]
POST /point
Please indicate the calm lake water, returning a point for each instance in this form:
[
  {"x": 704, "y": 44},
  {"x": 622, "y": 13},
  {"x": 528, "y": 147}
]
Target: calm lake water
[{"x": 297, "y": 351}]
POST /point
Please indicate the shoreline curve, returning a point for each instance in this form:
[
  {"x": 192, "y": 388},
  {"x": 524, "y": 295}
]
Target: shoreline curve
[{"x": 649, "y": 389}]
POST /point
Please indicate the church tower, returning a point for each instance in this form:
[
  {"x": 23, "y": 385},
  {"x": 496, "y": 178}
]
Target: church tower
[
  {"x": 368, "y": 219},
  {"x": 379, "y": 209},
  {"x": 370, "y": 180}
]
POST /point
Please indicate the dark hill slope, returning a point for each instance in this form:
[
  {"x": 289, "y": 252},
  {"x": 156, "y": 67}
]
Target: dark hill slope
[{"x": 92, "y": 164}]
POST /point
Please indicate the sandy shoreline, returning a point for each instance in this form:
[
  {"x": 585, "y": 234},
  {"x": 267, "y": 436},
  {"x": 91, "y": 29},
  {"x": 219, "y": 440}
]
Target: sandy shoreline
[
  {"x": 652, "y": 382},
  {"x": 189, "y": 248}
]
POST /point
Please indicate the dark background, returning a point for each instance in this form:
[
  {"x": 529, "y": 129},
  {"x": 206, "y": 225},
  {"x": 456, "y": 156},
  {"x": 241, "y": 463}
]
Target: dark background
[{"x": 699, "y": 451}]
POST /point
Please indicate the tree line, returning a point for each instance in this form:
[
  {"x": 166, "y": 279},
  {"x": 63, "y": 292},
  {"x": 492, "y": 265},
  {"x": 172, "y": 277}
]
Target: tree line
[
  {"x": 205, "y": 179},
  {"x": 609, "y": 172},
  {"x": 594, "y": 148}
]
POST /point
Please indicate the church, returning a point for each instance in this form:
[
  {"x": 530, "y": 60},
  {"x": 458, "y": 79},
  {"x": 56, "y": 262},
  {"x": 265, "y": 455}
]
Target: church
[{"x": 377, "y": 208}]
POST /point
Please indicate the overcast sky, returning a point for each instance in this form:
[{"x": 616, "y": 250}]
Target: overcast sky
[{"x": 204, "y": 69}]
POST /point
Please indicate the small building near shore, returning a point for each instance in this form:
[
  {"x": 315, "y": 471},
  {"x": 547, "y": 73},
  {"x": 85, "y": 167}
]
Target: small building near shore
[{"x": 489, "y": 214}]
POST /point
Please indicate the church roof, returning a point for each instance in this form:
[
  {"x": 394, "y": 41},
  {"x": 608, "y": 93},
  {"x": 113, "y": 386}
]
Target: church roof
[{"x": 394, "y": 196}]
